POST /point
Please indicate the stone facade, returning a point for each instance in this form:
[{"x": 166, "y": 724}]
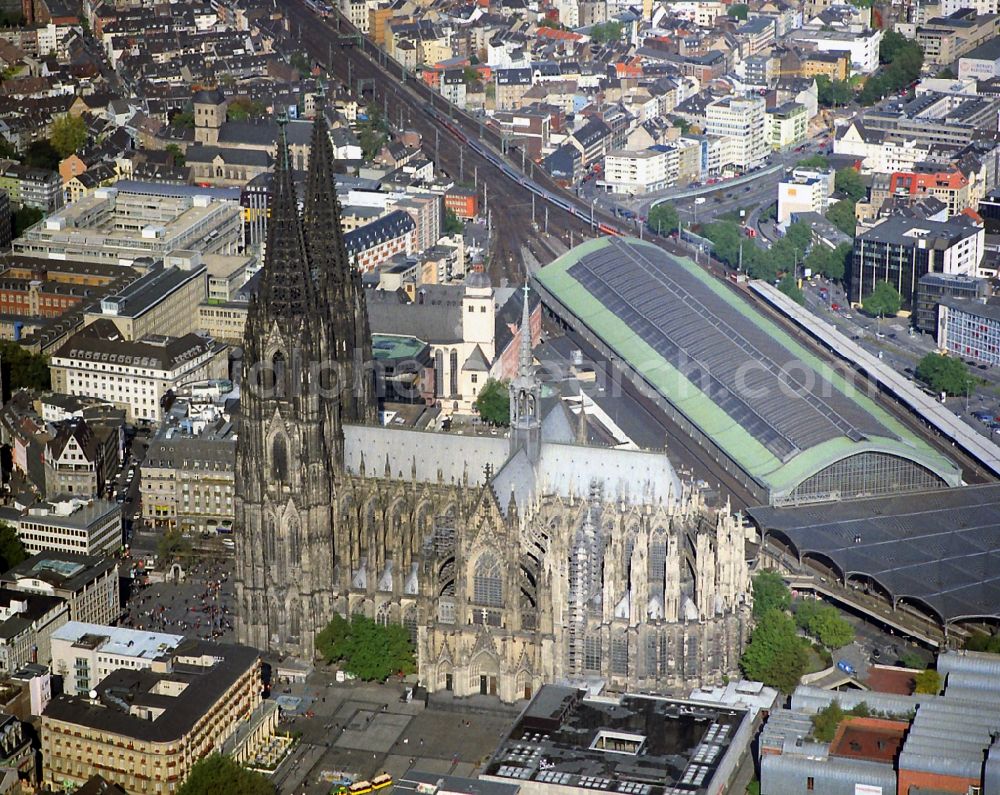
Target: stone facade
[{"x": 512, "y": 562}]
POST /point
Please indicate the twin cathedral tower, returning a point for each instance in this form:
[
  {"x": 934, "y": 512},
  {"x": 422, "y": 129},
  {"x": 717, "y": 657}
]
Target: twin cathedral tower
[{"x": 511, "y": 562}]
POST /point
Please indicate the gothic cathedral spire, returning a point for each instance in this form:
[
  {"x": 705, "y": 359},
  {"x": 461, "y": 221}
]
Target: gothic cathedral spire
[{"x": 337, "y": 282}]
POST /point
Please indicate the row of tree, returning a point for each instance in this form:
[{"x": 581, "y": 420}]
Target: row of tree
[
  {"x": 369, "y": 650},
  {"x": 901, "y": 61}
]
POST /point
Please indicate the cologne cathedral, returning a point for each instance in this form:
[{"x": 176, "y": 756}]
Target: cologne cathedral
[{"x": 512, "y": 561}]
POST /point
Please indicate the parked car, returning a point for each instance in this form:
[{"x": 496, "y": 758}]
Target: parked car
[{"x": 846, "y": 667}]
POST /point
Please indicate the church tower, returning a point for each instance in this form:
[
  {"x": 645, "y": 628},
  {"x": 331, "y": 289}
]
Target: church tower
[
  {"x": 291, "y": 440},
  {"x": 338, "y": 284},
  {"x": 526, "y": 395}
]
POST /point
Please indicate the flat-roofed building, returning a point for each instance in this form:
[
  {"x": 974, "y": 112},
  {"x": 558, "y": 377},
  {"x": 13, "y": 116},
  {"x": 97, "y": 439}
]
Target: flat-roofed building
[
  {"x": 566, "y": 743},
  {"x": 83, "y": 653},
  {"x": 118, "y": 225},
  {"x": 163, "y": 301},
  {"x": 27, "y": 621},
  {"x": 90, "y": 527},
  {"x": 146, "y": 729},
  {"x": 134, "y": 375},
  {"x": 87, "y": 583}
]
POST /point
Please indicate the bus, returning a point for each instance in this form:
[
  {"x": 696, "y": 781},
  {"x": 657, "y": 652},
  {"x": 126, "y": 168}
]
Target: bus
[
  {"x": 360, "y": 788},
  {"x": 381, "y": 782}
]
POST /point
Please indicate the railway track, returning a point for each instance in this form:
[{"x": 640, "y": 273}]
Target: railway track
[{"x": 405, "y": 99}]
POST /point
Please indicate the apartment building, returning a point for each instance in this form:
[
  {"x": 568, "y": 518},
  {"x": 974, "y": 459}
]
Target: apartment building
[
  {"x": 786, "y": 125},
  {"x": 27, "y": 622},
  {"x": 862, "y": 45},
  {"x": 970, "y": 329},
  {"x": 31, "y": 187},
  {"x": 632, "y": 173},
  {"x": 743, "y": 121},
  {"x": 372, "y": 244},
  {"x": 74, "y": 526},
  {"x": 134, "y": 375},
  {"x": 80, "y": 458},
  {"x": 146, "y": 728},
  {"x": 84, "y": 653},
  {"x": 88, "y": 584}
]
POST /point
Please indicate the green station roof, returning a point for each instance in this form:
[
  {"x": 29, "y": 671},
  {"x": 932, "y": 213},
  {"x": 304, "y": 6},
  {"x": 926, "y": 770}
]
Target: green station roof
[{"x": 774, "y": 407}]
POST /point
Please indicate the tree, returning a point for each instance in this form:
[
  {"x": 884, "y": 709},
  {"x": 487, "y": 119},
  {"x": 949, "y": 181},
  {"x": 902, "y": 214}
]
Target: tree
[
  {"x": 11, "y": 549},
  {"x": 841, "y": 215},
  {"x": 42, "y": 154},
  {"x": 220, "y": 775},
  {"x": 452, "y": 224},
  {"x": 830, "y": 629},
  {"x": 829, "y": 262},
  {"x": 606, "y": 32},
  {"x": 24, "y": 217},
  {"x": 69, "y": 134},
  {"x": 739, "y": 10},
  {"x": 927, "y": 681},
  {"x": 178, "y": 154},
  {"x": 946, "y": 74},
  {"x": 910, "y": 659},
  {"x": 663, "y": 219},
  {"x": 470, "y": 75},
  {"x": 23, "y": 369},
  {"x": 171, "y": 545},
  {"x": 833, "y": 93},
  {"x": 183, "y": 119},
  {"x": 682, "y": 124},
  {"x": 300, "y": 61},
  {"x": 769, "y": 593},
  {"x": 788, "y": 286},
  {"x": 848, "y": 181},
  {"x": 800, "y": 236},
  {"x": 368, "y": 650},
  {"x": 826, "y": 721},
  {"x": 883, "y": 300},
  {"x": 814, "y": 161},
  {"x": 493, "y": 403},
  {"x": 945, "y": 374},
  {"x": 242, "y": 108},
  {"x": 980, "y": 641},
  {"x": 776, "y": 655}
]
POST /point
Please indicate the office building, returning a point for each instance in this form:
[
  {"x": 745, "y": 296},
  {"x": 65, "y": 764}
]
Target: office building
[
  {"x": 946, "y": 39},
  {"x": 90, "y": 527},
  {"x": 134, "y": 375},
  {"x": 635, "y": 172},
  {"x": 804, "y": 191},
  {"x": 83, "y": 654},
  {"x": 934, "y": 287},
  {"x": 743, "y": 121},
  {"x": 786, "y": 125},
  {"x": 27, "y": 186},
  {"x": 146, "y": 728},
  {"x": 982, "y": 63},
  {"x": 863, "y": 46},
  {"x": 374, "y": 243},
  {"x": 164, "y": 300},
  {"x": 901, "y": 250},
  {"x": 969, "y": 329},
  {"x": 120, "y": 225},
  {"x": 88, "y": 584},
  {"x": 566, "y": 743}
]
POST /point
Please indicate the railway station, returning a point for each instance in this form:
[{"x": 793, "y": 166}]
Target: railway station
[{"x": 785, "y": 424}]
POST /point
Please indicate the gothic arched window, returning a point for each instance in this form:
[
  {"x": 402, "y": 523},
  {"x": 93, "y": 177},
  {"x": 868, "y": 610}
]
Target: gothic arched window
[
  {"x": 453, "y": 368},
  {"x": 438, "y": 373},
  {"x": 293, "y": 540},
  {"x": 279, "y": 458},
  {"x": 278, "y": 374},
  {"x": 487, "y": 583}
]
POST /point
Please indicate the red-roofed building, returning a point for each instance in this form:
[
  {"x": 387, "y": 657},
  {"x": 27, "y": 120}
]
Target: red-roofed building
[
  {"x": 872, "y": 739},
  {"x": 557, "y": 35},
  {"x": 951, "y": 187},
  {"x": 632, "y": 68}
]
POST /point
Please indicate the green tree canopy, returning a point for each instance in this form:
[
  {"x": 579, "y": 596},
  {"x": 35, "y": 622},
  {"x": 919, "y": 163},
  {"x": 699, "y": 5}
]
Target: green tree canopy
[
  {"x": 927, "y": 681},
  {"x": 24, "y": 217},
  {"x": 824, "y": 623},
  {"x": 22, "y": 368},
  {"x": 69, "y": 134},
  {"x": 183, "y": 119},
  {"x": 493, "y": 403},
  {"x": 42, "y": 154},
  {"x": 946, "y": 374},
  {"x": 769, "y": 593},
  {"x": 789, "y": 287},
  {"x": 910, "y": 659},
  {"x": 848, "y": 181},
  {"x": 883, "y": 300},
  {"x": 826, "y": 721},
  {"x": 739, "y": 10},
  {"x": 902, "y": 61},
  {"x": 220, "y": 775},
  {"x": 833, "y": 93},
  {"x": 682, "y": 124},
  {"x": 243, "y": 108},
  {"x": 800, "y": 236},
  {"x": 841, "y": 215},
  {"x": 11, "y": 549},
  {"x": 776, "y": 655},
  {"x": 451, "y": 223},
  {"x": 814, "y": 161},
  {"x": 370, "y": 651},
  {"x": 980, "y": 641},
  {"x": 171, "y": 545},
  {"x": 663, "y": 219},
  {"x": 606, "y": 32},
  {"x": 178, "y": 154},
  {"x": 830, "y": 262}
]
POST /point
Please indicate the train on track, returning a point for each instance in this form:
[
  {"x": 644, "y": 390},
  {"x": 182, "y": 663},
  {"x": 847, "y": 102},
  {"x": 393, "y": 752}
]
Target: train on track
[{"x": 511, "y": 173}]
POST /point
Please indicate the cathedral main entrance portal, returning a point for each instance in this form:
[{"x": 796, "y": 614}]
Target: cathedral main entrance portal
[{"x": 487, "y": 685}]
